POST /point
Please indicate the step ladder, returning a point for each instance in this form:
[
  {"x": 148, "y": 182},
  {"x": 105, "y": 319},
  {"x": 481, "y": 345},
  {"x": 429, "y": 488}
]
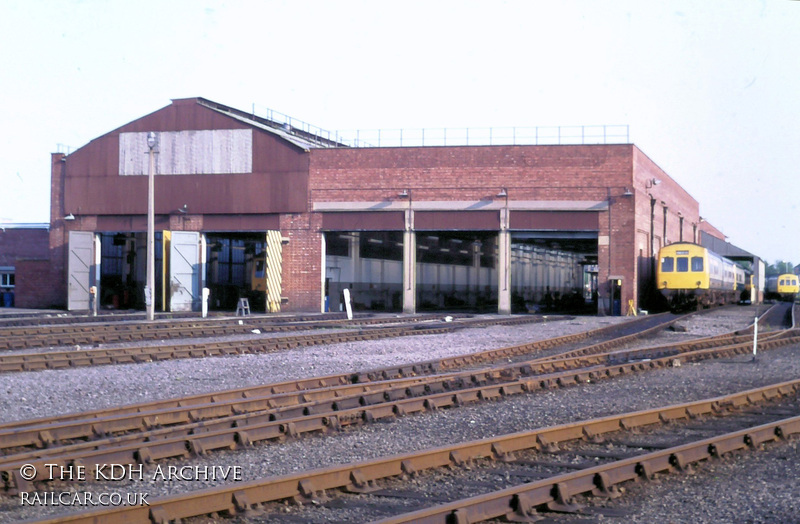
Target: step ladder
[{"x": 243, "y": 308}]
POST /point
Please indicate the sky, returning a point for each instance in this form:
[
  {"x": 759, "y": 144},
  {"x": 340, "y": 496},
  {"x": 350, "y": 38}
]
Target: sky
[{"x": 709, "y": 88}]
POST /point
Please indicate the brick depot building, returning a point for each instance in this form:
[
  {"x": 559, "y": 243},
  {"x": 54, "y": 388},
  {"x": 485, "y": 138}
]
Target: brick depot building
[{"x": 249, "y": 207}]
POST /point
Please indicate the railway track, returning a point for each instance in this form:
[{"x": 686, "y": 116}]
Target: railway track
[
  {"x": 255, "y": 343},
  {"x": 597, "y": 463},
  {"x": 311, "y": 388},
  {"x": 476, "y": 385},
  {"x": 29, "y": 319},
  {"x": 28, "y": 337},
  {"x": 510, "y": 476},
  {"x": 198, "y": 425}
]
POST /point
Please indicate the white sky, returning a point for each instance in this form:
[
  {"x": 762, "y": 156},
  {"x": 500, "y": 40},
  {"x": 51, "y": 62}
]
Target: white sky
[{"x": 710, "y": 88}]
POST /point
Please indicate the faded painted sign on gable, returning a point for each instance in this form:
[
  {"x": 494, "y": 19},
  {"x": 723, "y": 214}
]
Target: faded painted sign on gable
[{"x": 213, "y": 152}]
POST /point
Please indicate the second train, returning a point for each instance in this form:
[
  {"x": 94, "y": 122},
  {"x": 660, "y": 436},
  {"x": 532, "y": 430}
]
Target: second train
[{"x": 691, "y": 276}]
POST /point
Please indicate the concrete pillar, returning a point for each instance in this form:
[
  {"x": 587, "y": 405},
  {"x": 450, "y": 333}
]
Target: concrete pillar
[
  {"x": 504, "y": 265},
  {"x": 475, "y": 274},
  {"x": 409, "y": 264},
  {"x": 355, "y": 255}
]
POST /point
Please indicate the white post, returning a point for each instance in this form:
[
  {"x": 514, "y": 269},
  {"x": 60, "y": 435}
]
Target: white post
[
  {"x": 206, "y": 293},
  {"x": 755, "y": 338},
  {"x": 409, "y": 260},
  {"x": 346, "y": 292}
]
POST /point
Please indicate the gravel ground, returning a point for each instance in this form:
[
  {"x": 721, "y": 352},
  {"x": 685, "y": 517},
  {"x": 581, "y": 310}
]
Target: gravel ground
[
  {"x": 53, "y": 392},
  {"x": 762, "y": 488}
]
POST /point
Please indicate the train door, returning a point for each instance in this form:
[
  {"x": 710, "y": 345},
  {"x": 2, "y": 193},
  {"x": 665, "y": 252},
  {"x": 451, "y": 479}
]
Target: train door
[
  {"x": 184, "y": 271},
  {"x": 82, "y": 270}
]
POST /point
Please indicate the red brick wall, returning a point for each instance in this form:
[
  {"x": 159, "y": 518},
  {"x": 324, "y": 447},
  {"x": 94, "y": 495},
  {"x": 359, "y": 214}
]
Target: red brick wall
[
  {"x": 615, "y": 260},
  {"x": 35, "y": 289},
  {"x": 706, "y": 227},
  {"x": 649, "y": 228},
  {"x": 666, "y": 193},
  {"x": 469, "y": 173},
  {"x": 17, "y": 247},
  {"x": 58, "y": 232},
  {"x": 302, "y": 262},
  {"x": 22, "y": 243}
]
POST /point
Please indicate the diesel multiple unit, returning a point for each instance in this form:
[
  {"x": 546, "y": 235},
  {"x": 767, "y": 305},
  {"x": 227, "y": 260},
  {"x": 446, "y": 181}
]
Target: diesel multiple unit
[
  {"x": 690, "y": 275},
  {"x": 783, "y": 287}
]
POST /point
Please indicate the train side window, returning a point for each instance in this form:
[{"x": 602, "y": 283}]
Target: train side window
[
  {"x": 259, "y": 273},
  {"x": 683, "y": 264},
  {"x": 697, "y": 263},
  {"x": 667, "y": 264}
]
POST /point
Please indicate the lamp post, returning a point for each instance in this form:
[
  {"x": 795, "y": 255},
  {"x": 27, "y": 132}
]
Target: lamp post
[
  {"x": 149, "y": 290},
  {"x": 409, "y": 257},
  {"x": 504, "y": 257}
]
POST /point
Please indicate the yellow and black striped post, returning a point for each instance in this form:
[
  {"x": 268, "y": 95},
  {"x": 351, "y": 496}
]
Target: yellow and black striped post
[{"x": 274, "y": 270}]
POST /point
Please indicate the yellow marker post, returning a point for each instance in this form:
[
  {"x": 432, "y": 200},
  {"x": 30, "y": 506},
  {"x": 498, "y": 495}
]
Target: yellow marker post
[{"x": 631, "y": 309}]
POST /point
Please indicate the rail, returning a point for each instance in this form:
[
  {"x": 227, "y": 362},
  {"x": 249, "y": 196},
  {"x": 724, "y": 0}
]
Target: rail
[
  {"x": 136, "y": 354},
  {"x": 227, "y": 425},
  {"x": 310, "y": 485}
]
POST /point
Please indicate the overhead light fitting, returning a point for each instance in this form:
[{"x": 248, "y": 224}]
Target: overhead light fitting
[
  {"x": 69, "y": 217},
  {"x": 627, "y": 192},
  {"x": 403, "y": 194},
  {"x": 503, "y": 193}
]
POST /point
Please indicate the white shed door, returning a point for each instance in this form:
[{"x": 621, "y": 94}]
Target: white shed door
[
  {"x": 184, "y": 270},
  {"x": 79, "y": 269}
]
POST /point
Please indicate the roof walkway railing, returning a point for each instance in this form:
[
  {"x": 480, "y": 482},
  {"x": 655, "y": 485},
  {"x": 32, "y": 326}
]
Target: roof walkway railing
[{"x": 425, "y": 137}]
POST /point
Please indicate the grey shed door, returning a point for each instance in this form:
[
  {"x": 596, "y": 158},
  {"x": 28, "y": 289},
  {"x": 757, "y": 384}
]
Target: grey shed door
[
  {"x": 184, "y": 271},
  {"x": 79, "y": 269}
]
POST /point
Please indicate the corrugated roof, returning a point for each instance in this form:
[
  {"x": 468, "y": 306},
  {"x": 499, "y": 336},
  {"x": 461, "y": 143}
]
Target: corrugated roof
[
  {"x": 299, "y": 138},
  {"x": 720, "y": 247}
]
